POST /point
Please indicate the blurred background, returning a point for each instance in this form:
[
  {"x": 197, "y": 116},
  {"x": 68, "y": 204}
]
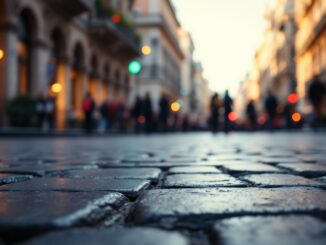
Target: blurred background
[{"x": 130, "y": 66}]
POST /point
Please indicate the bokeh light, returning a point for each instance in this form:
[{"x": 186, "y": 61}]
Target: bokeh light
[
  {"x": 146, "y": 50},
  {"x": 56, "y": 88},
  {"x": 175, "y": 107},
  {"x": 134, "y": 67},
  {"x": 116, "y": 19},
  {"x": 296, "y": 117},
  {"x": 2, "y": 54},
  {"x": 293, "y": 98},
  {"x": 233, "y": 116},
  {"x": 180, "y": 102}
]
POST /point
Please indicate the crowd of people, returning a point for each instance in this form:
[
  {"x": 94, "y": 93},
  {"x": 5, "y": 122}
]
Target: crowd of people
[
  {"x": 116, "y": 116},
  {"x": 140, "y": 117},
  {"x": 274, "y": 115}
]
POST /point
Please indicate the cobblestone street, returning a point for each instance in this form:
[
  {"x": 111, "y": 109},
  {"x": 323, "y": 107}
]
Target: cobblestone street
[{"x": 241, "y": 188}]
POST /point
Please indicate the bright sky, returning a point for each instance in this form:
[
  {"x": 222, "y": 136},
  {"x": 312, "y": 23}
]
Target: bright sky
[{"x": 226, "y": 34}]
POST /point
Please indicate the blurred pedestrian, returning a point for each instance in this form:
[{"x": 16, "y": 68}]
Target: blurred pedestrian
[
  {"x": 88, "y": 107},
  {"x": 40, "y": 110},
  {"x": 271, "y": 109},
  {"x": 186, "y": 124},
  {"x": 104, "y": 113},
  {"x": 137, "y": 112},
  {"x": 316, "y": 96},
  {"x": 228, "y": 105},
  {"x": 148, "y": 113},
  {"x": 214, "y": 110},
  {"x": 251, "y": 114},
  {"x": 121, "y": 111},
  {"x": 113, "y": 108},
  {"x": 164, "y": 105},
  {"x": 50, "y": 111}
]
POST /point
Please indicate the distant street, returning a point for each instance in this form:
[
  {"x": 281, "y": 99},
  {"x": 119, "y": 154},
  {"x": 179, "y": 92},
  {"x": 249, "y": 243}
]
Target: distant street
[{"x": 240, "y": 188}]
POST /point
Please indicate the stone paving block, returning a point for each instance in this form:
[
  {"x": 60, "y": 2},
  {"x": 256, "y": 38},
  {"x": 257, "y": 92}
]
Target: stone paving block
[
  {"x": 201, "y": 180},
  {"x": 194, "y": 170},
  {"x": 281, "y": 230},
  {"x": 114, "y": 236},
  {"x": 277, "y": 180},
  {"x": 39, "y": 170},
  {"x": 250, "y": 167},
  {"x": 202, "y": 205},
  {"x": 168, "y": 165},
  {"x": 321, "y": 179},
  {"x": 276, "y": 160},
  {"x": 127, "y": 187},
  {"x": 306, "y": 169},
  {"x": 117, "y": 173},
  {"x": 13, "y": 178},
  {"x": 32, "y": 211}
]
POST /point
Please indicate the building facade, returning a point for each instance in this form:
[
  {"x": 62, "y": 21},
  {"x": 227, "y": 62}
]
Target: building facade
[
  {"x": 82, "y": 45},
  {"x": 200, "y": 94},
  {"x": 273, "y": 67},
  {"x": 157, "y": 23},
  {"x": 310, "y": 45},
  {"x": 188, "y": 48}
]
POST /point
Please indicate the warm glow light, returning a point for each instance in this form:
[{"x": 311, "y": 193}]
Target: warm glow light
[
  {"x": 56, "y": 88},
  {"x": 296, "y": 117},
  {"x": 233, "y": 116},
  {"x": 146, "y": 50},
  {"x": 293, "y": 98},
  {"x": 175, "y": 107},
  {"x": 2, "y": 54},
  {"x": 116, "y": 19}
]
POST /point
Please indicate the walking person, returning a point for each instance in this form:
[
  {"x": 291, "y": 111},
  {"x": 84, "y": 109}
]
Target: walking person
[
  {"x": 164, "y": 105},
  {"x": 50, "y": 112},
  {"x": 148, "y": 113},
  {"x": 88, "y": 107},
  {"x": 251, "y": 115},
  {"x": 271, "y": 109},
  {"x": 228, "y": 105},
  {"x": 104, "y": 120},
  {"x": 137, "y": 111},
  {"x": 316, "y": 96},
  {"x": 40, "y": 111},
  {"x": 214, "y": 113},
  {"x": 121, "y": 112}
]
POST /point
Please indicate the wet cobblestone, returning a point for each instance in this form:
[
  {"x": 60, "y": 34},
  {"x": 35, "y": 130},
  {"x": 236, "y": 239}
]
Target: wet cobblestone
[{"x": 255, "y": 188}]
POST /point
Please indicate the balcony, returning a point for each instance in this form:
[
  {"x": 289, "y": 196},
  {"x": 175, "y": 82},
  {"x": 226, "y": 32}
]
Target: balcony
[
  {"x": 311, "y": 26},
  {"x": 159, "y": 20},
  {"x": 71, "y": 8},
  {"x": 119, "y": 39}
]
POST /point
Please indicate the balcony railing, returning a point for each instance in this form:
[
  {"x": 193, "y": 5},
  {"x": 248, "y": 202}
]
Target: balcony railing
[
  {"x": 159, "y": 20},
  {"x": 71, "y": 8},
  {"x": 115, "y": 30}
]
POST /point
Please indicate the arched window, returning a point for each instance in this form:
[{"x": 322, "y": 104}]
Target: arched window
[
  {"x": 26, "y": 32},
  {"x": 93, "y": 82}
]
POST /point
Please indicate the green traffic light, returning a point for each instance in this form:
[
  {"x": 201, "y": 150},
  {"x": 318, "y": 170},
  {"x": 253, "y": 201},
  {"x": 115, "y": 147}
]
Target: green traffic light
[{"x": 134, "y": 67}]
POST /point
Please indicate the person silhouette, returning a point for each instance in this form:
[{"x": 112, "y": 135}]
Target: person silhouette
[{"x": 228, "y": 104}]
